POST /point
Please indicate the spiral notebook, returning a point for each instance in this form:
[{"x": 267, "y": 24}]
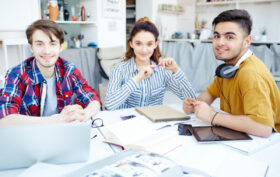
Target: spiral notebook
[{"x": 161, "y": 113}]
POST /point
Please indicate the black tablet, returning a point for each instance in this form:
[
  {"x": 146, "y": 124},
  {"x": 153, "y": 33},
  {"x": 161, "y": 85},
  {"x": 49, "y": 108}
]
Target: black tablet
[{"x": 210, "y": 133}]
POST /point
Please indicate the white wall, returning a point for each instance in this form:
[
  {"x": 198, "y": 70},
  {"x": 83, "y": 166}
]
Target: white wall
[
  {"x": 111, "y": 31},
  {"x": 14, "y": 18}
]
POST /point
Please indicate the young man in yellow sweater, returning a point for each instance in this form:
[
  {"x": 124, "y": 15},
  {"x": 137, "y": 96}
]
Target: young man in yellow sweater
[{"x": 246, "y": 88}]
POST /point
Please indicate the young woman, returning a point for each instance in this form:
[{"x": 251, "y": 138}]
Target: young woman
[{"x": 141, "y": 78}]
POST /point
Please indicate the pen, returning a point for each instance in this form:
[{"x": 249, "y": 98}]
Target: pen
[{"x": 153, "y": 67}]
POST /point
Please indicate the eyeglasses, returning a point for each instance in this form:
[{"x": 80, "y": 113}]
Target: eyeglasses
[{"x": 96, "y": 123}]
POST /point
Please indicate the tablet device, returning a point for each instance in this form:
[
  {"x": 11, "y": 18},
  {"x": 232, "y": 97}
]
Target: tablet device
[{"x": 213, "y": 133}]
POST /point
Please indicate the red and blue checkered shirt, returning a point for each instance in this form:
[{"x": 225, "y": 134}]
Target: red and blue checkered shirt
[{"x": 22, "y": 92}]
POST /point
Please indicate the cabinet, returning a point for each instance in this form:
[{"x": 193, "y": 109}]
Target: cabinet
[
  {"x": 72, "y": 28},
  {"x": 130, "y": 18},
  {"x": 106, "y": 25}
]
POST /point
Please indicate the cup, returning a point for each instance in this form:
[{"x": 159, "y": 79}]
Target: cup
[
  {"x": 78, "y": 44},
  {"x": 74, "y": 18}
]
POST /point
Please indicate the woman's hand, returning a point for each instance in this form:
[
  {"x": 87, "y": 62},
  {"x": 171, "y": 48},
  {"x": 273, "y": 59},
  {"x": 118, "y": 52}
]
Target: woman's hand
[
  {"x": 169, "y": 64},
  {"x": 143, "y": 72}
]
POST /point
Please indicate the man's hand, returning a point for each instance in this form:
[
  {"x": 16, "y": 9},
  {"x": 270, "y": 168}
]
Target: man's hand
[
  {"x": 73, "y": 113},
  {"x": 188, "y": 105},
  {"x": 203, "y": 111},
  {"x": 169, "y": 64}
]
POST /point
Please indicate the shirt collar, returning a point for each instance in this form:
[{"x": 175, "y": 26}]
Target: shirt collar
[
  {"x": 36, "y": 76},
  {"x": 246, "y": 55},
  {"x": 134, "y": 68},
  {"x": 132, "y": 65}
]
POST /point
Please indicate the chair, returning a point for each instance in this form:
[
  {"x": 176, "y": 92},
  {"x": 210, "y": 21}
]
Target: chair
[
  {"x": 102, "y": 93},
  {"x": 108, "y": 57}
]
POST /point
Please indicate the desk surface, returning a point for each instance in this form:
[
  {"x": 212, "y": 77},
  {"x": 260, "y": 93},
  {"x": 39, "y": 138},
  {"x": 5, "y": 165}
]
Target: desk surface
[{"x": 209, "y": 157}]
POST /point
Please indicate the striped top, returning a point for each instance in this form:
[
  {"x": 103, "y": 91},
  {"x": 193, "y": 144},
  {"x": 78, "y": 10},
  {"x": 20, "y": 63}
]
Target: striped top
[{"x": 124, "y": 92}]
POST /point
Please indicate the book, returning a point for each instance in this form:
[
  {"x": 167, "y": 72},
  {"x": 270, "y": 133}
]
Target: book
[
  {"x": 255, "y": 145},
  {"x": 135, "y": 163},
  {"x": 161, "y": 113},
  {"x": 138, "y": 133}
]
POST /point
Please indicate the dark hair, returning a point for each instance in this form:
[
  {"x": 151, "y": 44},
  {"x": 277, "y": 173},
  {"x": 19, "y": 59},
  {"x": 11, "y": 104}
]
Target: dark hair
[
  {"x": 240, "y": 16},
  {"x": 48, "y": 27},
  {"x": 143, "y": 24}
]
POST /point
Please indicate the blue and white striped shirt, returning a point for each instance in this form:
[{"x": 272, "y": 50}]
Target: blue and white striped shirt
[{"x": 124, "y": 92}]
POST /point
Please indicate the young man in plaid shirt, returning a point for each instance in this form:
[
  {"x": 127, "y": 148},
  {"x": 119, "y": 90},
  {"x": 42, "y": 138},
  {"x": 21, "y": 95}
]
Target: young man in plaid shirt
[{"x": 40, "y": 89}]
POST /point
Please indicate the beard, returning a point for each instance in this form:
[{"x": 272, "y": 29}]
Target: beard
[{"x": 231, "y": 57}]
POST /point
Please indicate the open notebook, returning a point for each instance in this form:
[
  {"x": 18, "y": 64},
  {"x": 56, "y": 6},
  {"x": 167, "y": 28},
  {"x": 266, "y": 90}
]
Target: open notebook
[
  {"x": 23, "y": 146},
  {"x": 161, "y": 113}
]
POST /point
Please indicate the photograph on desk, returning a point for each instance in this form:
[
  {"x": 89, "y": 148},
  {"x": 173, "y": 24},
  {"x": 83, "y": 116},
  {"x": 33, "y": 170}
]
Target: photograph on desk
[{"x": 129, "y": 134}]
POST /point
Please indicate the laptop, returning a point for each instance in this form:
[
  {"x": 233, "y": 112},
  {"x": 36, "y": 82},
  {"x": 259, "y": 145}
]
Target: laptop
[{"x": 23, "y": 146}]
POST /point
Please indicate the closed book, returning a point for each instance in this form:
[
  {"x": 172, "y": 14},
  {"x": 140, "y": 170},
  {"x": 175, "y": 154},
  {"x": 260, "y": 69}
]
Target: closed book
[{"x": 161, "y": 113}]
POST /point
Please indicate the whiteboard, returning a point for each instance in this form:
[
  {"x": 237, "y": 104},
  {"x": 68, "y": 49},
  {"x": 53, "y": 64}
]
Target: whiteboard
[{"x": 16, "y": 15}]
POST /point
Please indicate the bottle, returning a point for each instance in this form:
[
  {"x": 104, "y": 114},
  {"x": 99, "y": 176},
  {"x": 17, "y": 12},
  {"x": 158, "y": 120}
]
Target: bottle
[
  {"x": 53, "y": 8},
  {"x": 83, "y": 13},
  {"x": 66, "y": 13},
  {"x": 61, "y": 14}
]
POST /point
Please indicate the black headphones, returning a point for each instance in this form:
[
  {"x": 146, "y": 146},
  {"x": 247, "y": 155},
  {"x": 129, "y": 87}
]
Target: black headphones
[{"x": 226, "y": 71}]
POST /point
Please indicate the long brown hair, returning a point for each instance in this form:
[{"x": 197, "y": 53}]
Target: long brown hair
[{"x": 143, "y": 24}]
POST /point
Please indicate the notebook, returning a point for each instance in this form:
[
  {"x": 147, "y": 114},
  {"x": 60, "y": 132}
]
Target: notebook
[
  {"x": 23, "y": 146},
  {"x": 161, "y": 113}
]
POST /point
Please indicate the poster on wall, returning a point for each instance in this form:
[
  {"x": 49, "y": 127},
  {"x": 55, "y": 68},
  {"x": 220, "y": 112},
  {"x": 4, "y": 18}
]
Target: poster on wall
[{"x": 111, "y": 8}]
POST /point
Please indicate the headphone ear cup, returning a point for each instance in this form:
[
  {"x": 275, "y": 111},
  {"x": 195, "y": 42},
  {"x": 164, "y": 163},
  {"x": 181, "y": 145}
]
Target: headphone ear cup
[
  {"x": 218, "y": 70},
  {"x": 223, "y": 67}
]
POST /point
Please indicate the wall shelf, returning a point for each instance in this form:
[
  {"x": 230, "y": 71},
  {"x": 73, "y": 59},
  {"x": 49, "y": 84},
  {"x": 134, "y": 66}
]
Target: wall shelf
[
  {"x": 234, "y": 2},
  {"x": 77, "y": 22}
]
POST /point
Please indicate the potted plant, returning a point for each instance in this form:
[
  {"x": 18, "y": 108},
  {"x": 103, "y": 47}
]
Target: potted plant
[{"x": 264, "y": 36}]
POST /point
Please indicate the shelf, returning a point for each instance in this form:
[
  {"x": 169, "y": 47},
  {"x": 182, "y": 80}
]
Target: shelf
[
  {"x": 76, "y": 22},
  {"x": 215, "y": 3},
  {"x": 130, "y": 6},
  {"x": 234, "y": 2},
  {"x": 209, "y": 41},
  {"x": 170, "y": 12}
]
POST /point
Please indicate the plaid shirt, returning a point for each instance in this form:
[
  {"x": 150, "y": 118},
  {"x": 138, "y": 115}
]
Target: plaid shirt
[{"x": 24, "y": 87}]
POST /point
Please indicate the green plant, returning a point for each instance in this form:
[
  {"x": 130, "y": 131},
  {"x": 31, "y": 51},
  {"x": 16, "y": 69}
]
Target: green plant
[{"x": 263, "y": 32}]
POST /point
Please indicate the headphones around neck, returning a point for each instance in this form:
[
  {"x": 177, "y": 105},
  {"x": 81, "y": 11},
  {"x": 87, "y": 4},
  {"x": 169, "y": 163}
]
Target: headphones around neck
[{"x": 226, "y": 71}]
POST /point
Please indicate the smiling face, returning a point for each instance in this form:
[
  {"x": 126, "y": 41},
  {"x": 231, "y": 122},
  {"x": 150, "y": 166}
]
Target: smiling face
[
  {"x": 46, "y": 51},
  {"x": 230, "y": 42},
  {"x": 143, "y": 44}
]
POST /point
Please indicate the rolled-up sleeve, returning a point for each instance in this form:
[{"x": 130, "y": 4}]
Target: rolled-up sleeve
[
  {"x": 85, "y": 94},
  {"x": 10, "y": 95}
]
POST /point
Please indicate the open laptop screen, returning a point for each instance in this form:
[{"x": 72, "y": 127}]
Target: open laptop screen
[{"x": 22, "y": 146}]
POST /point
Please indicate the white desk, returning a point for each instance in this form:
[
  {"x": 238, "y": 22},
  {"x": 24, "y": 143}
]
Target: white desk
[{"x": 207, "y": 156}]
